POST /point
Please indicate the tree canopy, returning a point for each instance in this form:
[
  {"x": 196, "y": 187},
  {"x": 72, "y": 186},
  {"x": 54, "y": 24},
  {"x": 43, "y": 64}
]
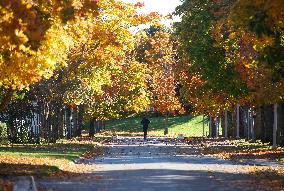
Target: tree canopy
[{"x": 230, "y": 52}]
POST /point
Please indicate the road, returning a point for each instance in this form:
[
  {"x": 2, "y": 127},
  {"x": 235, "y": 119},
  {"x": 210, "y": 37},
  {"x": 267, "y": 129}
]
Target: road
[{"x": 131, "y": 164}]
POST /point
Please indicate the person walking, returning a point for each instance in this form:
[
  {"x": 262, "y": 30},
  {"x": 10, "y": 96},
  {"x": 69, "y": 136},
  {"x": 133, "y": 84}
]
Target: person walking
[{"x": 145, "y": 124}]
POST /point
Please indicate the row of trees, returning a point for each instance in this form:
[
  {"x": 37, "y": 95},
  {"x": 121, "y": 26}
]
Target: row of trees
[
  {"x": 65, "y": 62},
  {"x": 231, "y": 54}
]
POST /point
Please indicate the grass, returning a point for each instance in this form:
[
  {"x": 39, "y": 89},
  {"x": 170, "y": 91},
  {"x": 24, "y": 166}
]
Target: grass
[
  {"x": 189, "y": 125},
  {"x": 67, "y": 151},
  {"x": 47, "y": 159}
]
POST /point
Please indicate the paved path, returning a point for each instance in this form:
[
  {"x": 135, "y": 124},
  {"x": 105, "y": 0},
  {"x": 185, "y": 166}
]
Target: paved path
[{"x": 131, "y": 164}]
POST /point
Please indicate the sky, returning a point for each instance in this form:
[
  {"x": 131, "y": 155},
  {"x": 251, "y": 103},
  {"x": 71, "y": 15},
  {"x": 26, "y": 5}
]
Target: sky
[{"x": 162, "y": 6}]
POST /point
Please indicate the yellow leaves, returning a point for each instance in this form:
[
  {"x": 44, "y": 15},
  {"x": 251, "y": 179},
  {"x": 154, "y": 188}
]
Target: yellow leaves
[
  {"x": 267, "y": 40},
  {"x": 232, "y": 35},
  {"x": 35, "y": 43},
  {"x": 111, "y": 81},
  {"x": 20, "y": 34},
  {"x": 263, "y": 42},
  {"x": 7, "y": 15}
]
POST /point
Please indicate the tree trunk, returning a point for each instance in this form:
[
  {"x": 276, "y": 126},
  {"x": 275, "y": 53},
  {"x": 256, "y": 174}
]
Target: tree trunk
[
  {"x": 212, "y": 127},
  {"x": 275, "y": 125},
  {"x": 104, "y": 125},
  {"x": 225, "y": 124},
  {"x": 203, "y": 126},
  {"x": 258, "y": 123},
  {"x": 238, "y": 121},
  {"x": 68, "y": 122},
  {"x": 230, "y": 127},
  {"x": 6, "y": 99},
  {"x": 80, "y": 120},
  {"x": 57, "y": 121},
  {"x": 61, "y": 123},
  {"x": 75, "y": 121},
  {"x": 280, "y": 130},
  {"x": 267, "y": 130},
  {"x": 243, "y": 125},
  {"x": 222, "y": 121},
  {"x": 45, "y": 121},
  {"x": 92, "y": 127}
]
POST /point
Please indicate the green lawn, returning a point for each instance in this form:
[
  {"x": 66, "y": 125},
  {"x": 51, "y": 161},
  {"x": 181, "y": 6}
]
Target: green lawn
[
  {"x": 68, "y": 151},
  {"x": 189, "y": 125}
]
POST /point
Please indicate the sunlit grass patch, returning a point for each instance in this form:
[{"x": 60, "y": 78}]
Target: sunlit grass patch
[{"x": 189, "y": 125}]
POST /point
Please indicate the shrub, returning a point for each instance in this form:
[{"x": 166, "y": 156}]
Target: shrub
[
  {"x": 23, "y": 135},
  {"x": 3, "y": 133}
]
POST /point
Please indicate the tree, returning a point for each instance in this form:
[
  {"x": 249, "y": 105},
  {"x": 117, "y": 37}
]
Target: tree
[
  {"x": 203, "y": 63},
  {"x": 156, "y": 52},
  {"x": 35, "y": 42},
  {"x": 107, "y": 80}
]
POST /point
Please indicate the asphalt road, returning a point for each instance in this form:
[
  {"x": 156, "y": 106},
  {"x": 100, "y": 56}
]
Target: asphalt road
[{"x": 131, "y": 164}]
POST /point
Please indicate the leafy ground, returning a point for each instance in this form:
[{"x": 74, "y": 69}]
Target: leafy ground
[
  {"x": 60, "y": 160},
  {"x": 189, "y": 125},
  {"x": 244, "y": 152},
  {"x": 54, "y": 160},
  {"x": 240, "y": 149},
  {"x": 129, "y": 159},
  {"x": 65, "y": 151}
]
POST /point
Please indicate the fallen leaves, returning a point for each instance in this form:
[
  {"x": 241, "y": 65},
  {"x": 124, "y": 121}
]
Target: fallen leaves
[
  {"x": 264, "y": 176},
  {"x": 24, "y": 165},
  {"x": 55, "y": 160},
  {"x": 96, "y": 151},
  {"x": 6, "y": 185},
  {"x": 268, "y": 177},
  {"x": 240, "y": 149}
]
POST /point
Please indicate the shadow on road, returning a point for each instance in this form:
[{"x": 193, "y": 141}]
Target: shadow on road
[{"x": 155, "y": 180}]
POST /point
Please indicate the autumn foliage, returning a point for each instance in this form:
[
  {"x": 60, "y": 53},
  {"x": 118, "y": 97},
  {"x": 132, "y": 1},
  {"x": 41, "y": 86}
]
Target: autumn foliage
[
  {"x": 83, "y": 54},
  {"x": 234, "y": 49}
]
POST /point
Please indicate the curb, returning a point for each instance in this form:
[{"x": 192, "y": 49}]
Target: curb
[{"x": 25, "y": 183}]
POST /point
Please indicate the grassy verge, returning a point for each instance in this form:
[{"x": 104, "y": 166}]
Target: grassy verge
[
  {"x": 65, "y": 151},
  {"x": 55, "y": 160},
  {"x": 189, "y": 125}
]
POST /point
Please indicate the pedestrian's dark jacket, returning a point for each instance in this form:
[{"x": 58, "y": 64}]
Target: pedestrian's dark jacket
[{"x": 145, "y": 122}]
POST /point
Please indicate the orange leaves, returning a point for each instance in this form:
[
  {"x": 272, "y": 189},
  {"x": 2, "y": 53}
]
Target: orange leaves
[
  {"x": 240, "y": 149},
  {"x": 249, "y": 35},
  {"x": 161, "y": 78},
  {"x": 34, "y": 41},
  {"x": 23, "y": 165},
  {"x": 139, "y": 4},
  {"x": 51, "y": 160}
]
